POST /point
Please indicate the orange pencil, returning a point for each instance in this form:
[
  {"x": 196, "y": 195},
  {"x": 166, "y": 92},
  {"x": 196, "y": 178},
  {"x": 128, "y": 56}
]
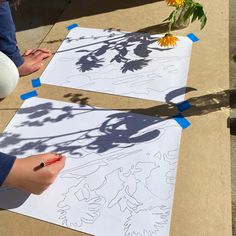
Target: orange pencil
[{"x": 49, "y": 162}]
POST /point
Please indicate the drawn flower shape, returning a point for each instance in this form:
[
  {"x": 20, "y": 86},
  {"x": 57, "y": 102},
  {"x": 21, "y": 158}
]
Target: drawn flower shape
[
  {"x": 124, "y": 200},
  {"x": 81, "y": 202},
  {"x": 134, "y": 65},
  {"x": 147, "y": 222},
  {"x": 165, "y": 175}
]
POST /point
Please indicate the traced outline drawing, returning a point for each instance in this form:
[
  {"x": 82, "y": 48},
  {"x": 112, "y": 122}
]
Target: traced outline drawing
[
  {"x": 84, "y": 192},
  {"x": 85, "y": 197},
  {"x": 133, "y": 227}
]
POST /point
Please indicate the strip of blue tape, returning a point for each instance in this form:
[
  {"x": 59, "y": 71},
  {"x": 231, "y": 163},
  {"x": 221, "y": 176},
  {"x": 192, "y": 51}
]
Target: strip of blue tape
[
  {"x": 184, "y": 106},
  {"x": 193, "y": 37},
  {"x": 70, "y": 27},
  {"x": 36, "y": 83},
  {"x": 28, "y": 95},
  {"x": 183, "y": 122}
]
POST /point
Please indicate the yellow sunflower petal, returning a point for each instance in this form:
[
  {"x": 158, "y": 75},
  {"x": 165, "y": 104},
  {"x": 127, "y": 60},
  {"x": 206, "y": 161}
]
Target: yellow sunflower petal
[
  {"x": 168, "y": 41},
  {"x": 176, "y": 3}
]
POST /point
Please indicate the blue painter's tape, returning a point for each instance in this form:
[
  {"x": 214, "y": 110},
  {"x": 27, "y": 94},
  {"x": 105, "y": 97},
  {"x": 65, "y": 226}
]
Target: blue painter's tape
[
  {"x": 70, "y": 27},
  {"x": 36, "y": 83},
  {"x": 184, "y": 106},
  {"x": 193, "y": 37},
  {"x": 28, "y": 95},
  {"x": 183, "y": 122}
]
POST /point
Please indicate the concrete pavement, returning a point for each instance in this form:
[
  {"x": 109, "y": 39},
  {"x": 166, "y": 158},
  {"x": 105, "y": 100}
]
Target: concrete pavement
[{"x": 33, "y": 14}]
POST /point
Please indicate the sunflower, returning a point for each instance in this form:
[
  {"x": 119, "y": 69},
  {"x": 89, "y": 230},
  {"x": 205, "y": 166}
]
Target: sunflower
[
  {"x": 176, "y": 3},
  {"x": 169, "y": 40}
]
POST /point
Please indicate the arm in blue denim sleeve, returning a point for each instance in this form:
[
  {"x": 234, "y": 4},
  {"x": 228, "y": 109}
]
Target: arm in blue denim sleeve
[
  {"x": 6, "y": 163},
  {"x": 8, "y": 44}
]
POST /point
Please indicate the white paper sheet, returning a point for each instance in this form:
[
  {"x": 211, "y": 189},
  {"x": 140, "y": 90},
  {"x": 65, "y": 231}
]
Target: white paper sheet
[
  {"x": 127, "y": 64},
  {"x": 120, "y": 172}
]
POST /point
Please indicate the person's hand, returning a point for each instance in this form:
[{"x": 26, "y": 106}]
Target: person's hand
[
  {"x": 33, "y": 60},
  {"x": 26, "y": 173}
]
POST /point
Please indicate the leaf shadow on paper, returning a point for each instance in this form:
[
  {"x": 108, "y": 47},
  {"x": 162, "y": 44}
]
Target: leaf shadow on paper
[
  {"x": 117, "y": 130},
  {"x": 201, "y": 105},
  {"x": 109, "y": 134},
  {"x": 130, "y": 50}
]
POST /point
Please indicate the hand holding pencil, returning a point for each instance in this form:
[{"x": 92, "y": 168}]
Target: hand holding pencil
[{"x": 36, "y": 173}]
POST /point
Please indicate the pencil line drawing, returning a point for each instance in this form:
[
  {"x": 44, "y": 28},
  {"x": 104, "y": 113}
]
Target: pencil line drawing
[
  {"x": 120, "y": 170},
  {"x": 121, "y": 63}
]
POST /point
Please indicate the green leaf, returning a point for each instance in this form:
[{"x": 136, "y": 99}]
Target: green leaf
[
  {"x": 203, "y": 21},
  {"x": 200, "y": 12},
  {"x": 173, "y": 18},
  {"x": 194, "y": 9},
  {"x": 174, "y": 15},
  {"x": 188, "y": 3},
  {"x": 188, "y": 13},
  {"x": 195, "y": 15}
]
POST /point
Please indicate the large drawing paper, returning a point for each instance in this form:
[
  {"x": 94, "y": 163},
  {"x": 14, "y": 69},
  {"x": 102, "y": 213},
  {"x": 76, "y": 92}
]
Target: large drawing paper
[
  {"x": 127, "y": 64},
  {"x": 120, "y": 170}
]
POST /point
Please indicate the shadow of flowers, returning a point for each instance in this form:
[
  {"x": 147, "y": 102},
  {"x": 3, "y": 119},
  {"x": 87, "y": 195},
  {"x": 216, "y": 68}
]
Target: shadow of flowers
[
  {"x": 130, "y": 50},
  {"x": 118, "y": 130}
]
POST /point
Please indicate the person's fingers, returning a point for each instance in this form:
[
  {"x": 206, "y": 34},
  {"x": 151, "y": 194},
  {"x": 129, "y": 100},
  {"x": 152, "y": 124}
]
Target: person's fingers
[
  {"x": 31, "y": 66},
  {"x": 28, "y": 52},
  {"x": 36, "y": 57},
  {"x": 57, "y": 166},
  {"x": 44, "y": 50},
  {"x": 49, "y": 156},
  {"x": 32, "y": 51},
  {"x": 44, "y": 54},
  {"x": 34, "y": 67},
  {"x": 52, "y": 156},
  {"x": 37, "y": 53},
  {"x": 41, "y": 56},
  {"x": 36, "y": 50}
]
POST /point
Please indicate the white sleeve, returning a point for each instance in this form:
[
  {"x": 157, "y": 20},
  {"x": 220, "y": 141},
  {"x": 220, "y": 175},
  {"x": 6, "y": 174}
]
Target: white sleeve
[{"x": 9, "y": 75}]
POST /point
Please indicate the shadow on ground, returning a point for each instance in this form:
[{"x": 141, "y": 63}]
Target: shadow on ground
[
  {"x": 117, "y": 130},
  {"x": 33, "y": 14},
  {"x": 201, "y": 105}
]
